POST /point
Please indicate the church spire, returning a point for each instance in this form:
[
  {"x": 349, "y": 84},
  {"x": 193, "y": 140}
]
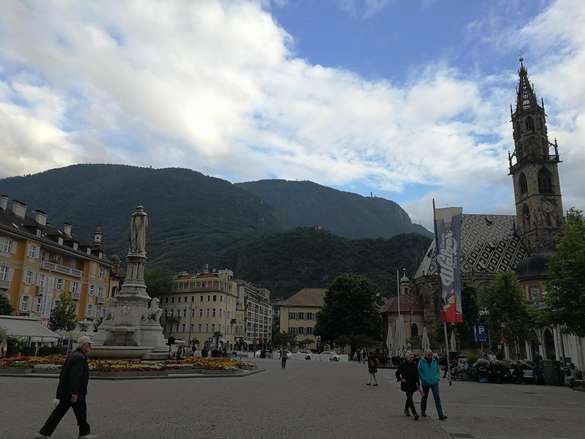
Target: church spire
[{"x": 526, "y": 99}]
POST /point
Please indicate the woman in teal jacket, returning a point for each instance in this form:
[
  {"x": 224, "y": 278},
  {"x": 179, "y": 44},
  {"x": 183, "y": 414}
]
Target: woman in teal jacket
[{"x": 430, "y": 374}]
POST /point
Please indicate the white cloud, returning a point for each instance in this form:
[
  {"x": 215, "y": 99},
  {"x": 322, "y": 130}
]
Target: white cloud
[{"x": 215, "y": 86}]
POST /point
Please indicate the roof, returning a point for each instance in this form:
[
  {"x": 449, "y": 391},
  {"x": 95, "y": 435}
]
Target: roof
[
  {"x": 488, "y": 245},
  {"x": 26, "y": 227},
  {"x": 309, "y": 297},
  {"x": 408, "y": 304},
  {"x": 16, "y": 326}
]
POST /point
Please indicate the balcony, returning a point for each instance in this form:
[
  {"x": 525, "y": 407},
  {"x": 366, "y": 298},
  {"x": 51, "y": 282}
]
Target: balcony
[
  {"x": 4, "y": 284},
  {"x": 100, "y": 300},
  {"x": 62, "y": 269}
]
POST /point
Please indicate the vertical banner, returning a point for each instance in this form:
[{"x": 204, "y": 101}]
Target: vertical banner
[{"x": 448, "y": 225}]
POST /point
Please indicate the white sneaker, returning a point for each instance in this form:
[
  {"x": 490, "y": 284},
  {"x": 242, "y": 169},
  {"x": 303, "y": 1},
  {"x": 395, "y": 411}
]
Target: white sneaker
[{"x": 88, "y": 436}]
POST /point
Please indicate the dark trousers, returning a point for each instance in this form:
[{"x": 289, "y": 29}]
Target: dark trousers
[
  {"x": 283, "y": 362},
  {"x": 409, "y": 402},
  {"x": 423, "y": 402},
  {"x": 80, "y": 410}
]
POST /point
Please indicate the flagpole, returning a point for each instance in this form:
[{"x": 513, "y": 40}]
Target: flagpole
[{"x": 444, "y": 322}]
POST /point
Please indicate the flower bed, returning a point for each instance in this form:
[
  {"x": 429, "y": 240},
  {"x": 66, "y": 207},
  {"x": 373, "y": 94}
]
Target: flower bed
[{"x": 53, "y": 363}]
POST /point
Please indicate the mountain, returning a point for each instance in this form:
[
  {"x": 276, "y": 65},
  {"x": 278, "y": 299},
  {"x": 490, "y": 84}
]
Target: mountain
[
  {"x": 191, "y": 215},
  {"x": 304, "y": 203},
  {"x": 197, "y": 220},
  {"x": 308, "y": 257}
]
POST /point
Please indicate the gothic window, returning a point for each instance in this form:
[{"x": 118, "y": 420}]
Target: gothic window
[
  {"x": 526, "y": 216},
  {"x": 544, "y": 181},
  {"x": 523, "y": 184},
  {"x": 529, "y": 124},
  {"x": 540, "y": 126},
  {"x": 414, "y": 330}
]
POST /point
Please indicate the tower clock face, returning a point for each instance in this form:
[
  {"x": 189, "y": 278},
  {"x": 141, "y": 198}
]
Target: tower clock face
[{"x": 548, "y": 206}]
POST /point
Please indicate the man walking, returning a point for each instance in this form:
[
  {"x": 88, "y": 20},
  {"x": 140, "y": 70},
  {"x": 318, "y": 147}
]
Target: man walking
[
  {"x": 71, "y": 392},
  {"x": 428, "y": 369},
  {"x": 283, "y": 358}
]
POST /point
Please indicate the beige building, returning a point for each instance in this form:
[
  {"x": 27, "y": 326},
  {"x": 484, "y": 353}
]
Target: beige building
[
  {"x": 39, "y": 262},
  {"x": 201, "y": 305},
  {"x": 298, "y": 314}
]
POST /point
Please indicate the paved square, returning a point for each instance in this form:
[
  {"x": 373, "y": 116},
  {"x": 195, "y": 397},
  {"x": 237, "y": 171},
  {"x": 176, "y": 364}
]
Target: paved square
[{"x": 307, "y": 400}]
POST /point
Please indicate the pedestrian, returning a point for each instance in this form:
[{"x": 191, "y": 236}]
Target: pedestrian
[
  {"x": 372, "y": 369},
  {"x": 407, "y": 375},
  {"x": 364, "y": 355},
  {"x": 71, "y": 392},
  {"x": 283, "y": 358},
  {"x": 429, "y": 372}
]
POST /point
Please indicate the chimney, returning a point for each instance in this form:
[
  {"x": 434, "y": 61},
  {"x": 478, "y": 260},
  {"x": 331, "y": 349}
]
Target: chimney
[
  {"x": 3, "y": 202},
  {"x": 19, "y": 209},
  {"x": 41, "y": 217},
  {"x": 98, "y": 236},
  {"x": 67, "y": 229}
]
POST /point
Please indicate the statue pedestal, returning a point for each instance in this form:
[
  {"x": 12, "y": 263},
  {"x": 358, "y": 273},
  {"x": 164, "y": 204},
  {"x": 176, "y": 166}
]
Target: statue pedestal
[{"x": 131, "y": 327}]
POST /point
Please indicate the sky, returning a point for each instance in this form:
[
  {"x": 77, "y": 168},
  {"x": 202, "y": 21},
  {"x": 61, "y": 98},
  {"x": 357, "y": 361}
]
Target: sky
[{"x": 404, "y": 99}]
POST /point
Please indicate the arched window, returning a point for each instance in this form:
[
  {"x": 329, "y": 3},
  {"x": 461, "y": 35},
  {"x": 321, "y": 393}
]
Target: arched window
[
  {"x": 529, "y": 124},
  {"x": 544, "y": 181},
  {"x": 414, "y": 330},
  {"x": 526, "y": 216},
  {"x": 523, "y": 184}
]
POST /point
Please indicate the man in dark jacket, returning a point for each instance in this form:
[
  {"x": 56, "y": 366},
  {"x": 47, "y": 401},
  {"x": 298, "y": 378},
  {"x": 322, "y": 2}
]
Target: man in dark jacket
[
  {"x": 407, "y": 375},
  {"x": 71, "y": 392}
]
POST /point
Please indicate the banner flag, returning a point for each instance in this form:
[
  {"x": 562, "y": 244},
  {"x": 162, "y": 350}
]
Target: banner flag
[{"x": 448, "y": 225}]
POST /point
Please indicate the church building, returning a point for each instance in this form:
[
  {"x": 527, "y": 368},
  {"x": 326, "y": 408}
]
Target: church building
[{"x": 492, "y": 244}]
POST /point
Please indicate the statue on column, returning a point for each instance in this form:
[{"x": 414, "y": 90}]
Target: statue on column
[{"x": 138, "y": 225}]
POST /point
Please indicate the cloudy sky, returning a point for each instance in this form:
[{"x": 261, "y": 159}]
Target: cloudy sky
[{"x": 407, "y": 99}]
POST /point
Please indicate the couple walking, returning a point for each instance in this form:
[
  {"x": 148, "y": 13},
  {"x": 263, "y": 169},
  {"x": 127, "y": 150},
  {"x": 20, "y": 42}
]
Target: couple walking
[{"x": 426, "y": 374}]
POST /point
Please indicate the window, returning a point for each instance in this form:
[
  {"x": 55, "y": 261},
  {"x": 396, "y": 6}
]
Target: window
[
  {"x": 309, "y": 331},
  {"x": 220, "y": 312},
  {"x": 534, "y": 294},
  {"x": 526, "y": 216},
  {"x": 29, "y": 278},
  {"x": 291, "y": 316},
  {"x": 213, "y": 327},
  {"x": 301, "y": 330},
  {"x": 34, "y": 251},
  {"x": 414, "y": 330},
  {"x": 6, "y": 245},
  {"x": 201, "y": 297},
  {"x": 192, "y": 312},
  {"x": 89, "y": 312},
  {"x": 200, "y": 327},
  {"x": 214, "y": 298},
  {"x": 208, "y": 298},
  {"x": 523, "y": 184},
  {"x": 192, "y": 299},
  {"x": 207, "y": 312},
  {"x": 74, "y": 288},
  {"x": 38, "y": 303},
  {"x": 166, "y": 300},
  {"x": 185, "y": 312},
  {"x": 544, "y": 181},
  {"x": 200, "y": 312},
  {"x": 213, "y": 312},
  {"x": 173, "y": 299},
  {"x": 24, "y": 301},
  {"x": 100, "y": 292},
  {"x": 221, "y": 298},
  {"x": 207, "y": 327},
  {"x": 301, "y": 316},
  {"x": 191, "y": 327},
  {"x": 183, "y": 327},
  {"x": 91, "y": 290},
  {"x": 59, "y": 284},
  {"x": 220, "y": 326},
  {"x": 529, "y": 124},
  {"x": 102, "y": 273}
]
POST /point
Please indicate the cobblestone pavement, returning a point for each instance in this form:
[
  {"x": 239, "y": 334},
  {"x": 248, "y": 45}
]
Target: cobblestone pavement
[{"x": 307, "y": 400}]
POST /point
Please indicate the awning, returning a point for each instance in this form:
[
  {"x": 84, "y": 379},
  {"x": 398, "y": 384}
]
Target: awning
[{"x": 27, "y": 327}]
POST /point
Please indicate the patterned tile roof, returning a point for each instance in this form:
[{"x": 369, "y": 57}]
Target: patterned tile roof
[{"x": 489, "y": 245}]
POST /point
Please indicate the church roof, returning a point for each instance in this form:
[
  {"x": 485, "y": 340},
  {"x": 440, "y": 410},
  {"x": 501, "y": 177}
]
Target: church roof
[
  {"x": 488, "y": 245},
  {"x": 408, "y": 304}
]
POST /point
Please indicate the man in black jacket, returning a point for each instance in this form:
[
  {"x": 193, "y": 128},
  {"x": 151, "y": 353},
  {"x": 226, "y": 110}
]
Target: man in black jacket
[{"x": 71, "y": 392}]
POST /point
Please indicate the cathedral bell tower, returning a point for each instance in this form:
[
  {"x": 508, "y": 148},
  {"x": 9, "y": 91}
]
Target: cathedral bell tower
[{"x": 533, "y": 167}]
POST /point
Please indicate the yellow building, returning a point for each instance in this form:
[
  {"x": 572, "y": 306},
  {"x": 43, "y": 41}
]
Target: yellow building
[
  {"x": 201, "y": 305},
  {"x": 39, "y": 262},
  {"x": 298, "y": 314}
]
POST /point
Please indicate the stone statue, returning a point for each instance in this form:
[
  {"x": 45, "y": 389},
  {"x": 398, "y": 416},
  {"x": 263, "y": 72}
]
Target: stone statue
[
  {"x": 138, "y": 225},
  {"x": 154, "y": 311}
]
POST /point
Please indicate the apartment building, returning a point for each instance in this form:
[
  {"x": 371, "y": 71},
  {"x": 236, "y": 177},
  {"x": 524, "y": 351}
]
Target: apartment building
[
  {"x": 298, "y": 314},
  {"x": 257, "y": 323},
  {"x": 39, "y": 262}
]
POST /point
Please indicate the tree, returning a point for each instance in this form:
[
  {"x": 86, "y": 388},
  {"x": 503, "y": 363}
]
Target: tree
[
  {"x": 283, "y": 339},
  {"x": 509, "y": 317},
  {"x": 565, "y": 299},
  {"x": 5, "y": 307},
  {"x": 63, "y": 316},
  {"x": 350, "y": 310},
  {"x": 159, "y": 280}
]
